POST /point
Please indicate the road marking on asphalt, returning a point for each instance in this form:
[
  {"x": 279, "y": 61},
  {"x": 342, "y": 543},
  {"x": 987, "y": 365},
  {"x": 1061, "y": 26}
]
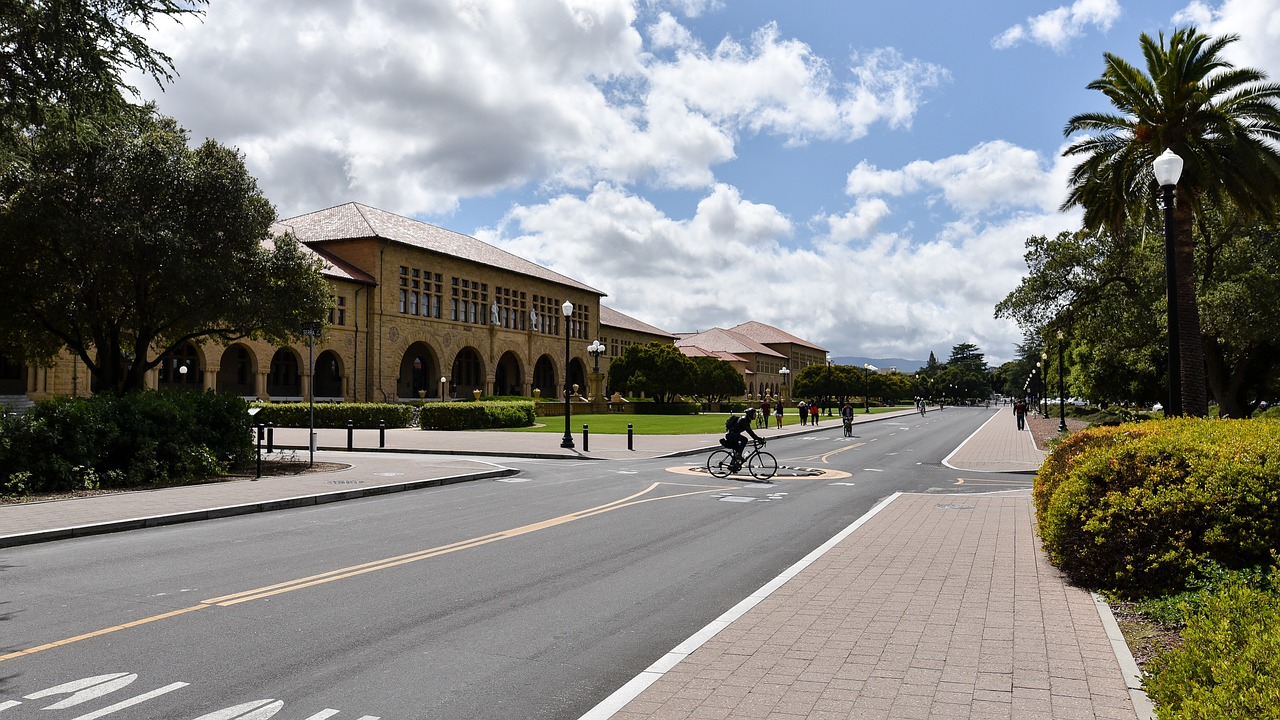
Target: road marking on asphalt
[
  {"x": 634, "y": 499},
  {"x": 822, "y": 457}
]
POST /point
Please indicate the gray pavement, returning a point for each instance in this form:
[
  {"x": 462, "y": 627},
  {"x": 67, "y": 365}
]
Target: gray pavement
[{"x": 930, "y": 606}]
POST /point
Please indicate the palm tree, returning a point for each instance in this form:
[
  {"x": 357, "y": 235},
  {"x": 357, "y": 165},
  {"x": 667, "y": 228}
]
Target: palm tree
[{"x": 1225, "y": 124}]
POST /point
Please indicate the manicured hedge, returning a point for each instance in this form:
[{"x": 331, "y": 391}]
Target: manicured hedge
[
  {"x": 115, "y": 441},
  {"x": 658, "y": 408},
  {"x": 1136, "y": 508},
  {"x": 335, "y": 415},
  {"x": 476, "y": 415},
  {"x": 1228, "y": 665}
]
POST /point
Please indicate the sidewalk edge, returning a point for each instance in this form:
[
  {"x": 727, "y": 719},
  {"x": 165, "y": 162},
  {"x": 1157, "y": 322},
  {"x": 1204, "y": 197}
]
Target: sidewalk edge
[
  {"x": 245, "y": 509},
  {"x": 1142, "y": 705},
  {"x": 608, "y": 707}
]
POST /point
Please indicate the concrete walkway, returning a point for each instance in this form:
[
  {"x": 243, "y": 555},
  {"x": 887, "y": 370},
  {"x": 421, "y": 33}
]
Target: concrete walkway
[{"x": 929, "y": 606}]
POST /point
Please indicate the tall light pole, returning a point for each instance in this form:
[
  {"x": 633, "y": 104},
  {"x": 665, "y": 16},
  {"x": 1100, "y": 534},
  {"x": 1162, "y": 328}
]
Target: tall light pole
[
  {"x": 567, "y": 441},
  {"x": 1062, "y": 401},
  {"x": 595, "y": 350},
  {"x": 866, "y": 386},
  {"x": 784, "y": 372},
  {"x": 1168, "y": 168}
]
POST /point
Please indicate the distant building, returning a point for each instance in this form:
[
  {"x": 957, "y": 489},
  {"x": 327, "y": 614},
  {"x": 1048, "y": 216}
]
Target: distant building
[{"x": 758, "y": 351}]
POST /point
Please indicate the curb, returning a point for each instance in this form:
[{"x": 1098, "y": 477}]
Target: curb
[{"x": 244, "y": 509}]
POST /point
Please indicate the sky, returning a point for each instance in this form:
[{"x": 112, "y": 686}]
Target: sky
[{"x": 863, "y": 174}]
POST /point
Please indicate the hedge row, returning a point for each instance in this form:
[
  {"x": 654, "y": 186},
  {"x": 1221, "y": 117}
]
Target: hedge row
[
  {"x": 476, "y": 415},
  {"x": 1228, "y": 665},
  {"x": 1138, "y": 507},
  {"x": 335, "y": 415},
  {"x": 109, "y": 441}
]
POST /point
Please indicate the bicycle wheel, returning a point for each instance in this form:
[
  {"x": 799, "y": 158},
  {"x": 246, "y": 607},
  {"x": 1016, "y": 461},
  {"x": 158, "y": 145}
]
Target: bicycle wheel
[
  {"x": 762, "y": 465},
  {"x": 719, "y": 463}
]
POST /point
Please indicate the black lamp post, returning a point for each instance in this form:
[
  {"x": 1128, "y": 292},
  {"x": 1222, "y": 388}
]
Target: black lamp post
[
  {"x": 1168, "y": 168},
  {"x": 567, "y": 441},
  {"x": 866, "y": 386},
  {"x": 1062, "y": 401},
  {"x": 784, "y": 372}
]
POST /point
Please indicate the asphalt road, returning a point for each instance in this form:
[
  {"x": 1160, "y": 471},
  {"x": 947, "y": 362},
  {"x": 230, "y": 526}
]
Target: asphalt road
[{"x": 528, "y": 597}]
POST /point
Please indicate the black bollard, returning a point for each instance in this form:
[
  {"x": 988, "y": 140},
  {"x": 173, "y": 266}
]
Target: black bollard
[
  {"x": 382, "y": 433},
  {"x": 585, "y": 436},
  {"x": 630, "y": 436},
  {"x": 351, "y": 430},
  {"x": 271, "y": 437}
]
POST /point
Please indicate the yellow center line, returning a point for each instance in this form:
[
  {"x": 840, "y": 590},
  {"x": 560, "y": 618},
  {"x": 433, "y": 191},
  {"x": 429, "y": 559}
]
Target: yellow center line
[
  {"x": 354, "y": 570},
  {"x": 822, "y": 457}
]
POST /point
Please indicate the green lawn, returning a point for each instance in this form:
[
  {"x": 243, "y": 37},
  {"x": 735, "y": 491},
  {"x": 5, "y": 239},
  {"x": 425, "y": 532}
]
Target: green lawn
[{"x": 616, "y": 423}]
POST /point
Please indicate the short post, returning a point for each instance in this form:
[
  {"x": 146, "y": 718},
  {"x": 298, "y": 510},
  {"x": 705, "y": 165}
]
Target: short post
[
  {"x": 271, "y": 437},
  {"x": 630, "y": 436},
  {"x": 382, "y": 433},
  {"x": 586, "y": 434},
  {"x": 351, "y": 431},
  {"x": 260, "y": 434}
]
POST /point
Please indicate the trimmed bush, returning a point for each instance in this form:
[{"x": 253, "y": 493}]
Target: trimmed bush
[
  {"x": 657, "y": 408},
  {"x": 1229, "y": 663},
  {"x": 1137, "y": 508},
  {"x": 335, "y": 415},
  {"x": 115, "y": 441},
  {"x": 476, "y": 415}
]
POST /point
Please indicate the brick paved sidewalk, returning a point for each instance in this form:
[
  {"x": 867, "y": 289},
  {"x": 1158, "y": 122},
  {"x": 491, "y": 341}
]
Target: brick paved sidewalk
[{"x": 937, "y": 607}]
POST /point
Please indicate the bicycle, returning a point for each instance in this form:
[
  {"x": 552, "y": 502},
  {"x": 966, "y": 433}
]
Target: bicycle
[
  {"x": 760, "y": 464},
  {"x": 848, "y": 426}
]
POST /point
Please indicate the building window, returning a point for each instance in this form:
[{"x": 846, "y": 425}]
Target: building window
[
  {"x": 470, "y": 301},
  {"x": 338, "y": 313}
]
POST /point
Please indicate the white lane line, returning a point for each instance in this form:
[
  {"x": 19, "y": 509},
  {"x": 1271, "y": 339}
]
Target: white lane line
[{"x": 628, "y": 692}]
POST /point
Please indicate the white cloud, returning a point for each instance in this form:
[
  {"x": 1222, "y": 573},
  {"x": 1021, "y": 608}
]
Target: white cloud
[
  {"x": 992, "y": 177},
  {"x": 1257, "y": 24},
  {"x": 729, "y": 262},
  {"x": 1058, "y": 27}
]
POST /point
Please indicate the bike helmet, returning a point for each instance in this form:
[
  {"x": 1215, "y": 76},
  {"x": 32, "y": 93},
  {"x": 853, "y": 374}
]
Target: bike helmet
[{"x": 751, "y": 412}]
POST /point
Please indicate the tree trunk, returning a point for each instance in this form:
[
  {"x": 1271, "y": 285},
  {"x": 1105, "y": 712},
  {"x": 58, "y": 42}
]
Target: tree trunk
[{"x": 1195, "y": 399}]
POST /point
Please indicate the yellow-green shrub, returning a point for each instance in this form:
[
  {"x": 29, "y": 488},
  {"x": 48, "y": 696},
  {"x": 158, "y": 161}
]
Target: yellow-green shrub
[{"x": 1136, "y": 508}]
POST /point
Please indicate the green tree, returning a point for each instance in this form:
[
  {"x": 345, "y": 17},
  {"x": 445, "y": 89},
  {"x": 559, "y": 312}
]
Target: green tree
[
  {"x": 67, "y": 57},
  {"x": 715, "y": 380},
  {"x": 1223, "y": 122},
  {"x": 656, "y": 369},
  {"x": 122, "y": 244}
]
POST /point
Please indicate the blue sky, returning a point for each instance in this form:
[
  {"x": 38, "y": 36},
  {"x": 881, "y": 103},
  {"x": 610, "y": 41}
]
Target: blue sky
[{"x": 862, "y": 174}]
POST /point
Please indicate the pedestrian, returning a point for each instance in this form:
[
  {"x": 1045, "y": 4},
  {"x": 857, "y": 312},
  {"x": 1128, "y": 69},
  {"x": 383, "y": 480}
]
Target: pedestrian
[
  {"x": 814, "y": 411},
  {"x": 1020, "y": 412},
  {"x": 777, "y": 415},
  {"x": 764, "y": 413},
  {"x": 803, "y": 407}
]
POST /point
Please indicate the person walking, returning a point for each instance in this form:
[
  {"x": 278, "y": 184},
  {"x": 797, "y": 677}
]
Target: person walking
[
  {"x": 777, "y": 415},
  {"x": 764, "y": 413},
  {"x": 814, "y": 411},
  {"x": 1020, "y": 412},
  {"x": 803, "y": 407}
]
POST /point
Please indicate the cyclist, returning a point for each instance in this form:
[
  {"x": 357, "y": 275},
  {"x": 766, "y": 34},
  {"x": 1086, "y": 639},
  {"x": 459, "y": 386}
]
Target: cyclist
[
  {"x": 735, "y": 436},
  {"x": 846, "y": 414}
]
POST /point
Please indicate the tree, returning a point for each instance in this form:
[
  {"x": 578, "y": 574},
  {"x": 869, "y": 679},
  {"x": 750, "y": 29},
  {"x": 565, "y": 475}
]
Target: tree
[
  {"x": 1223, "y": 122},
  {"x": 122, "y": 244},
  {"x": 656, "y": 369},
  {"x": 67, "y": 57},
  {"x": 715, "y": 380}
]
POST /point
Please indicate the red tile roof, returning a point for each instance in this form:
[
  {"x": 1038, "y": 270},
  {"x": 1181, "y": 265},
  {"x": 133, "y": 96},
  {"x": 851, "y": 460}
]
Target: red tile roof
[{"x": 771, "y": 335}]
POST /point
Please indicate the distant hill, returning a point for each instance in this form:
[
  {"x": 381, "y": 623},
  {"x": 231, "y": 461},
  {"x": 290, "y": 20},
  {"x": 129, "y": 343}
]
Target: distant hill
[{"x": 902, "y": 364}]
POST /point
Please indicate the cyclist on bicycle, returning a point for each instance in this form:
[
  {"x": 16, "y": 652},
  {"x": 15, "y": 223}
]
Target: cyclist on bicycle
[
  {"x": 846, "y": 414},
  {"x": 735, "y": 436}
]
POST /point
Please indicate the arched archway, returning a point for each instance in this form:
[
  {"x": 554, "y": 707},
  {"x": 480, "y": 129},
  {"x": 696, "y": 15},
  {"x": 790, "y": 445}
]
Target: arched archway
[
  {"x": 238, "y": 372},
  {"x": 419, "y": 373},
  {"x": 507, "y": 378},
  {"x": 285, "y": 380},
  {"x": 544, "y": 377},
  {"x": 181, "y": 369},
  {"x": 13, "y": 377},
  {"x": 468, "y": 372},
  {"x": 578, "y": 375},
  {"x": 326, "y": 380}
]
